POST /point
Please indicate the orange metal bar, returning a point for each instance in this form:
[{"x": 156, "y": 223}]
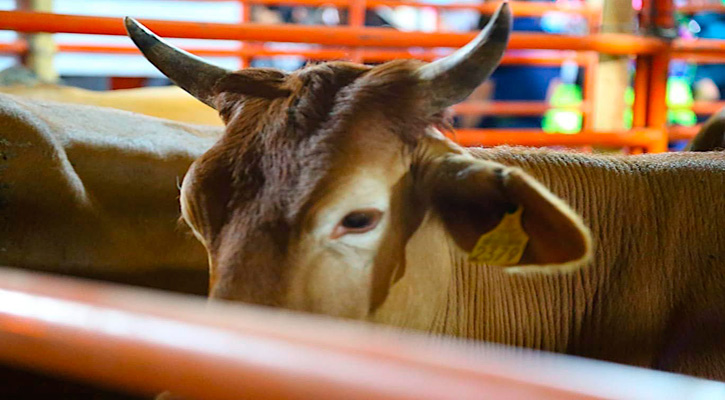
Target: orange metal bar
[
  {"x": 14, "y": 47},
  {"x": 699, "y": 58},
  {"x": 126, "y": 82},
  {"x": 704, "y": 7},
  {"x": 524, "y": 108},
  {"x": 641, "y": 88},
  {"x": 656, "y": 99},
  {"x": 645, "y": 15},
  {"x": 318, "y": 54},
  {"x": 545, "y": 58},
  {"x": 146, "y": 342},
  {"x": 588, "y": 90},
  {"x": 519, "y": 8},
  {"x": 345, "y": 36},
  {"x": 610, "y": 43},
  {"x": 528, "y": 57},
  {"x": 663, "y": 20},
  {"x": 245, "y": 60},
  {"x": 535, "y": 137},
  {"x": 707, "y": 108},
  {"x": 356, "y": 19},
  {"x": 664, "y": 13},
  {"x": 690, "y": 46},
  {"x": 683, "y": 132}
]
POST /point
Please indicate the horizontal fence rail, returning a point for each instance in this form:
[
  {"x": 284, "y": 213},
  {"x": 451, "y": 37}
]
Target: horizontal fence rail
[
  {"x": 145, "y": 342},
  {"x": 382, "y": 44},
  {"x": 610, "y": 43},
  {"x": 541, "y": 58},
  {"x": 519, "y": 8}
]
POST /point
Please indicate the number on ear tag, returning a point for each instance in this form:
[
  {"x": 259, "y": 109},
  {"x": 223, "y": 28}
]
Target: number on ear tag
[{"x": 503, "y": 245}]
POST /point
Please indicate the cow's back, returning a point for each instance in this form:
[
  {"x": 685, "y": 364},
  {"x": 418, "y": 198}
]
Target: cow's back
[
  {"x": 92, "y": 190},
  {"x": 168, "y": 102}
]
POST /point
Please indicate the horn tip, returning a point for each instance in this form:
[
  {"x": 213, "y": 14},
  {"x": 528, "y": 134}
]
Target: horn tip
[
  {"x": 130, "y": 23},
  {"x": 504, "y": 7},
  {"x": 135, "y": 29},
  {"x": 140, "y": 34}
]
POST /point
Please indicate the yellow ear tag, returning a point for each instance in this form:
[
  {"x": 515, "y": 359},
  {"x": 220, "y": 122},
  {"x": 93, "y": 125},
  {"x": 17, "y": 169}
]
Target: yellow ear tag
[{"x": 503, "y": 245}]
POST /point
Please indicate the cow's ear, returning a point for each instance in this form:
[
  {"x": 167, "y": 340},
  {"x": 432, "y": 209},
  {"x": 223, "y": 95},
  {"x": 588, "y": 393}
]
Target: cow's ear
[
  {"x": 502, "y": 216},
  {"x": 246, "y": 90}
]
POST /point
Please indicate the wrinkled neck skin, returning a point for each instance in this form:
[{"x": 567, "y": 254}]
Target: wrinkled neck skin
[
  {"x": 443, "y": 293},
  {"x": 657, "y": 225}
]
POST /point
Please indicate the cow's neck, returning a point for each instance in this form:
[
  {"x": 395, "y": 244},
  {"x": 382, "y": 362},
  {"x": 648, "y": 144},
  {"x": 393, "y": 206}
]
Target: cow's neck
[
  {"x": 540, "y": 311},
  {"x": 620, "y": 306},
  {"x": 442, "y": 292}
]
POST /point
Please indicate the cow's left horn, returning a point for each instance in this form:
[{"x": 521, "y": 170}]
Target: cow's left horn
[
  {"x": 456, "y": 76},
  {"x": 190, "y": 72}
]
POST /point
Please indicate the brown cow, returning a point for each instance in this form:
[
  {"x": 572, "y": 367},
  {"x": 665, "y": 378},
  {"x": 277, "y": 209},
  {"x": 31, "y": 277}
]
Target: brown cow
[
  {"x": 161, "y": 102},
  {"x": 333, "y": 191},
  {"x": 711, "y": 136},
  {"x": 93, "y": 192}
]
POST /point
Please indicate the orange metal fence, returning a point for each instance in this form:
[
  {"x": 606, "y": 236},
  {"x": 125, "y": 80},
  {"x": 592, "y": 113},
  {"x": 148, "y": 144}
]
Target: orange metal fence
[
  {"x": 145, "y": 342},
  {"x": 611, "y": 43},
  {"x": 368, "y": 44}
]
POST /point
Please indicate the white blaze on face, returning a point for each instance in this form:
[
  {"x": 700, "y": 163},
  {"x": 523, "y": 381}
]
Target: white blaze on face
[
  {"x": 365, "y": 200},
  {"x": 333, "y": 262}
]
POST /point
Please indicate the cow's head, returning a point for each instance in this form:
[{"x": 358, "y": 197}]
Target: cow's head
[{"x": 324, "y": 174}]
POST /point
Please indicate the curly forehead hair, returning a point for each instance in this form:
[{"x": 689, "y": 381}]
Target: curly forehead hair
[{"x": 285, "y": 130}]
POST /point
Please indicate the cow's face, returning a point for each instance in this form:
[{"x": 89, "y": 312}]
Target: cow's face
[
  {"x": 312, "y": 195},
  {"x": 307, "y": 201}
]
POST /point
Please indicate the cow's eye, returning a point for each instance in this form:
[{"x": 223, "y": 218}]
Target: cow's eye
[{"x": 359, "y": 221}]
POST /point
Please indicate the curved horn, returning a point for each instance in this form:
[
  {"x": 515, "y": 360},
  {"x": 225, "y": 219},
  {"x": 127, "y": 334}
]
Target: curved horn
[
  {"x": 190, "y": 72},
  {"x": 455, "y": 77}
]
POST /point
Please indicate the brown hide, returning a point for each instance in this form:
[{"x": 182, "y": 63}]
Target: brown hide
[
  {"x": 93, "y": 192},
  {"x": 343, "y": 148},
  {"x": 654, "y": 294},
  {"x": 285, "y": 133},
  {"x": 657, "y": 270},
  {"x": 711, "y": 136},
  {"x": 161, "y": 102}
]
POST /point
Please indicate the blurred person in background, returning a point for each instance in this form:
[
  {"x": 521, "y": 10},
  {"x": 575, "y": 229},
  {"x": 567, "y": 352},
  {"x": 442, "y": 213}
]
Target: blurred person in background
[
  {"x": 709, "y": 78},
  {"x": 278, "y": 15}
]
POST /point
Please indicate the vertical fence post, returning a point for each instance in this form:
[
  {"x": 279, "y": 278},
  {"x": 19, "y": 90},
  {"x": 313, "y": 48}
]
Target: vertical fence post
[
  {"x": 245, "y": 60},
  {"x": 663, "y": 20},
  {"x": 657, "y": 101},
  {"x": 641, "y": 90},
  {"x": 356, "y": 18}
]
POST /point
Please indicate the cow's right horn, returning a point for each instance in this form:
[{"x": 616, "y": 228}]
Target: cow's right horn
[
  {"x": 190, "y": 72},
  {"x": 456, "y": 76}
]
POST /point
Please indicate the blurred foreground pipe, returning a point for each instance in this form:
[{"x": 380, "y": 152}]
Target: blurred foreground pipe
[{"x": 146, "y": 342}]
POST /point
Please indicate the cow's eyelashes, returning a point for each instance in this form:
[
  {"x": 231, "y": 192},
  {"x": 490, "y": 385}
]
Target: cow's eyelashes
[{"x": 358, "y": 221}]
